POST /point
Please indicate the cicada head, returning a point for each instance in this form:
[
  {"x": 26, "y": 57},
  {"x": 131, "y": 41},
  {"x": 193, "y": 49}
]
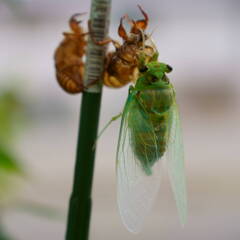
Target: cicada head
[{"x": 154, "y": 75}]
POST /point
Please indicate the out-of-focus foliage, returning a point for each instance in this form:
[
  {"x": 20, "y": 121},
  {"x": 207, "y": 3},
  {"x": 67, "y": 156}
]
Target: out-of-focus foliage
[
  {"x": 7, "y": 162},
  {"x": 12, "y": 111},
  {"x": 3, "y": 235},
  {"x": 9, "y": 169},
  {"x": 11, "y": 114},
  {"x": 13, "y": 117}
]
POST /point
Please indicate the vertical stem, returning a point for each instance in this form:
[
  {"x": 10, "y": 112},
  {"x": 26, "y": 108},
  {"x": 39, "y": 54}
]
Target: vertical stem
[{"x": 80, "y": 201}]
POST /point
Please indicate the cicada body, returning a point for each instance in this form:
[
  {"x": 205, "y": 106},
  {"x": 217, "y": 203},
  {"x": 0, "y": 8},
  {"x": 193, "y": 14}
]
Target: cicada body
[
  {"x": 68, "y": 58},
  {"x": 150, "y": 130}
]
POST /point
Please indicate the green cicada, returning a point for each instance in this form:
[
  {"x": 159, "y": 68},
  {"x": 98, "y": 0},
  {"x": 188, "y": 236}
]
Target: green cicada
[{"x": 150, "y": 131}]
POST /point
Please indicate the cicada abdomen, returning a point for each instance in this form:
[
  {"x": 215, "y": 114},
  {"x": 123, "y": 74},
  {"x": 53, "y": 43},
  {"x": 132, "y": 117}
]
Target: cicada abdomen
[
  {"x": 150, "y": 136},
  {"x": 68, "y": 58}
]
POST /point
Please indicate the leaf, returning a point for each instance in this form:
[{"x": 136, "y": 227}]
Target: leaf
[
  {"x": 12, "y": 112},
  {"x": 3, "y": 234},
  {"x": 8, "y": 163}
]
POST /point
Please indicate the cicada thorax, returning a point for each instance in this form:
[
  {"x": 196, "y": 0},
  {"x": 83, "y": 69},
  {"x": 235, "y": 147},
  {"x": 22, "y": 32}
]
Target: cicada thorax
[
  {"x": 152, "y": 139},
  {"x": 68, "y": 59}
]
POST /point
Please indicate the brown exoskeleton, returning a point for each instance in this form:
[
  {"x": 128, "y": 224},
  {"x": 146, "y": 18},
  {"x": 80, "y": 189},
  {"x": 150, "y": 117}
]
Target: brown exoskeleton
[
  {"x": 123, "y": 65},
  {"x": 68, "y": 58}
]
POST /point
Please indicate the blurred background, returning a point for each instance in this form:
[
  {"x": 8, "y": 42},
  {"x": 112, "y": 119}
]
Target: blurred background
[{"x": 200, "y": 39}]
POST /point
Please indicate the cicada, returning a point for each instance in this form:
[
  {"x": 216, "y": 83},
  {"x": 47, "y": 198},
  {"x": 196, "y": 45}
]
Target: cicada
[{"x": 150, "y": 132}]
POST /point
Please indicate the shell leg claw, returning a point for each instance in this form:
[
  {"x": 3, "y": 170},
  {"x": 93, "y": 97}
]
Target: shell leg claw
[{"x": 74, "y": 23}]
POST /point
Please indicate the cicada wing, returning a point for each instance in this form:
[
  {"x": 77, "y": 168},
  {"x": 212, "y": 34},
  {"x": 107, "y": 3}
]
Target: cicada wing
[
  {"x": 175, "y": 163},
  {"x": 136, "y": 188}
]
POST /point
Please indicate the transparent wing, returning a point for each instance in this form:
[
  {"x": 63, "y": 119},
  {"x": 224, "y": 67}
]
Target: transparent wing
[
  {"x": 136, "y": 187},
  {"x": 175, "y": 163}
]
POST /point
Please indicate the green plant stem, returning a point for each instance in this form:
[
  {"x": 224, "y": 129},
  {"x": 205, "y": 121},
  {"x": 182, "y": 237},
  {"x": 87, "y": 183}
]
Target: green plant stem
[{"x": 80, "y": 201}]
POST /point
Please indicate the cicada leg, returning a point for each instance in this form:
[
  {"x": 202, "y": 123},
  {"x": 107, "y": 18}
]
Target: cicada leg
[
  {"x": 139, "y": 25},
  {"x": 114, "y": 118},
  {"x": 142, "y": 24},
  {"x": 104, "y": 41},
  {"x": 121, "y": 30},
  {"x": 74, "y": 23},
  {"x": 77, "y": 31}
]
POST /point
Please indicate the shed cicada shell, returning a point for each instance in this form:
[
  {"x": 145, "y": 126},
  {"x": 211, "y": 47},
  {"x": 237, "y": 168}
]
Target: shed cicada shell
[
  {"x": 121, "y": 66},
  {"x": 69, "y": 57},
  {"x": 124, "y": 64}
]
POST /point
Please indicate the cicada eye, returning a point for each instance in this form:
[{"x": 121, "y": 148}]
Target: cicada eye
[{"x": 169, "y": 68}]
